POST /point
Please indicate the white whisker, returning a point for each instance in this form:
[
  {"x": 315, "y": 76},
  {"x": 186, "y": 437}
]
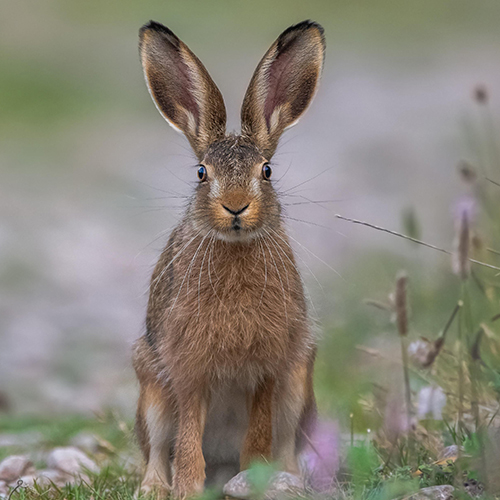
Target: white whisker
[
  {"x": 185, "y": 275},
  {"x": 160, "y": 276},
  {"x": 265, "y": 271},
  {"x": 201, "y": 270},
  {"x": 279, "y": 276}
]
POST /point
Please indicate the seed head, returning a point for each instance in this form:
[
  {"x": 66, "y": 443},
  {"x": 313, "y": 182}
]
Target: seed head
[
  {"x": 481, "y": 94},
  {"x": 467, "y": 172},
  {"x": 401, "y": 304},
  {"x": 460, "y": 261}
]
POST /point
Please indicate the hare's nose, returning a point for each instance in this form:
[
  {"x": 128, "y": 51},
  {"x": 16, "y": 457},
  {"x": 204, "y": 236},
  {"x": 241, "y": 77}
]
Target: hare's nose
[{"x": 237, "y": 211}]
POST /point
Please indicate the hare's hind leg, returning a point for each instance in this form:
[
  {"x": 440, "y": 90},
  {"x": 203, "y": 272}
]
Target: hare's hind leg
[
  {"x": 155, "y": 429},
  {"x": 257, "y": 444}
]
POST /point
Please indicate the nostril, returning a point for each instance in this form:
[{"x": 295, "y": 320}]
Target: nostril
[{"x": 236, "y": 212}]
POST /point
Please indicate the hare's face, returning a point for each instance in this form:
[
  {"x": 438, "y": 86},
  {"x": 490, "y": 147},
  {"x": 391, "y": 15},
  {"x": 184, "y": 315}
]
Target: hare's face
[{"x": 235, "y": 197}]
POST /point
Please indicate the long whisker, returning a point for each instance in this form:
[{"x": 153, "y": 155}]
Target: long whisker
[
  {"x": 308, "y": 222},
  {"x": 308, "y": 296},
  {"x": 160, "y": 235},
  {"x": 192, "y": 260},
  {"x": 319, "y": 203},
  {"x": 185, "y": 275},
  {"x": 276, "y": 246},
  {"x": 279, "y": 276},
  {"x": 286, "y": 172},
  {"x": 201, "y": 270},
  {"x": 308, "y": 180},
  {"x": 265, "y": 271},
  {"x": 156, "y": 188},
  {"x": 210, "y": 275},
  {"x": 319, "y": 258},
  {"x": 301, "y": 259},
  {"x": 160, "y": 276}
]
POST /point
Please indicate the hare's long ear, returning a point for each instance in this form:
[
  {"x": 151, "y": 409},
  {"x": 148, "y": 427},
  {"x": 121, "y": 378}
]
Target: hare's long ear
[
  {"x": 181, "y": 87},
  {"x": 283, "y": 85}
]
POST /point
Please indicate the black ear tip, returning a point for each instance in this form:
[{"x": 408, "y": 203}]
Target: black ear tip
[
  {"x": 308, "y": 24},
  {"x": 160, "y": 29},
  {"x": 303, "y": 27}
]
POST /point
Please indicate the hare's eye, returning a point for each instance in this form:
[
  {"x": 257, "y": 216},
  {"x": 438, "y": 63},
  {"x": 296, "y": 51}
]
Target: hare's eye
[
  {"x": 202, "y": 173},
  {"x": 266, "y": 171}
]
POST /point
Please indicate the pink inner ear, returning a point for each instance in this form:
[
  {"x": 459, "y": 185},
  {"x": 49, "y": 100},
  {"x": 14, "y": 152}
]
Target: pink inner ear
[
  {"x": 278, "y": 83},
  {"x": 185, "y": 87}
]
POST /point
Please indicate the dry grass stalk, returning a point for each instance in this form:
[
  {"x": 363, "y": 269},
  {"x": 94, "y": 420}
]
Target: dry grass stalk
[
  {"x": 424, "y": 352},
  {"x": 414, "y": 240},
  {"x": 461, "y": 262},
  {"x": 400, "y": 304},
  {"x": 401, "y": 309}
]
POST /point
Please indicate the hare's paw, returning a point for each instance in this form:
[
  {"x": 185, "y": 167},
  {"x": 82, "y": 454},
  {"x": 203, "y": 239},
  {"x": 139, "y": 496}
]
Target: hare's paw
[
  {"x": 153, "y": 490},
  {"x": 281, "y": 485}
]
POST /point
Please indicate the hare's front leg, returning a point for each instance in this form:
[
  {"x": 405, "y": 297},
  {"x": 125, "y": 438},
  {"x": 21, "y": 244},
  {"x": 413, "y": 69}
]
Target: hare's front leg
[
  {"x": 296, "y": 411},
  {"x": 189, "y": 464},
  {"x": 259, "y": 436},
  {"x": 155, "y": 428}
]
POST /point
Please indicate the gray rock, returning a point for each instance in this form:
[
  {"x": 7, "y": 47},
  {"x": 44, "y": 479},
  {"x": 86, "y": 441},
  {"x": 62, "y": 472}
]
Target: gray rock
[
  {"x": 444, "y": 492},
  {"x": 21, "y": 440},
  {"x": 15, "y": 466},
  {"x": 4, "y": 489},
  {"x": 281, "y": 485},
  {"x": 47, "y": 477},
  {"x": 71, "y": 460},
  {"x": 85, "y": 441}
]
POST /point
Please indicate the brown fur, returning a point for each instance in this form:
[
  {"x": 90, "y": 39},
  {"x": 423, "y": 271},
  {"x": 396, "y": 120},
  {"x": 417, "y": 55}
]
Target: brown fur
[{"x": 227, "y": 319}]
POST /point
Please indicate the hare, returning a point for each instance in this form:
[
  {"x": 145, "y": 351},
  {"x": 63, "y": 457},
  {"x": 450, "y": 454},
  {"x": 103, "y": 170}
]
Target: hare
[{"x": 226, "y": 364}]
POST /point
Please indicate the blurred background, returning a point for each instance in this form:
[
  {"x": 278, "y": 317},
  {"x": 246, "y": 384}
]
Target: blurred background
[{"x": 93, "y": 178}]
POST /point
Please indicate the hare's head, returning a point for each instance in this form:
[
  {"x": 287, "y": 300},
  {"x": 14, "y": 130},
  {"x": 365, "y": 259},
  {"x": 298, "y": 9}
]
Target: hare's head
[{"x": 235, "y": 197}]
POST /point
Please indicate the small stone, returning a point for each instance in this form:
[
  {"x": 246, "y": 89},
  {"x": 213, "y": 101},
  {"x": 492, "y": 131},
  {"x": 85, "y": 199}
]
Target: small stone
[
  {"x": 23, "y": 440},
  {"x": 47, "y": 477},
  {"x": 71, "y": 460},
  {"x": 281, "y": 485},
  {"x": 26, "y": 481},
  {"x": 239, "y": 486},
  {"x": 443, "y": 492},
  {"x": 15, "y": 466},
  {"x": 4, "y": 489},
  {"x": 50, "y": 476},
  {"x": 85, "y": 441}
]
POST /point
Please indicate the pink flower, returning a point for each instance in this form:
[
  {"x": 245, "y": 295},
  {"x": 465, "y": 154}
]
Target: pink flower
[{"x": 320, "y": 457}]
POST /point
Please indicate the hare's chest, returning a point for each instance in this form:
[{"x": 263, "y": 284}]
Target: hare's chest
[{"x": 234, "y": 314}]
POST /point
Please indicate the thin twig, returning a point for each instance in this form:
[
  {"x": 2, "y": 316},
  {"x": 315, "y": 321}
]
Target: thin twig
[
  {"x": 492, "y": 250},
  {"x": 492, "y": 181},
  {"x": 379, "y": 305},
  {"x": 409, "y": 238},
  {"x": 18, "y": 485},
  {"x": 452, "y": 317}
]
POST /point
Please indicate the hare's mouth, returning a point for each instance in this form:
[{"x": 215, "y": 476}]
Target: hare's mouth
[
  {"x": 236, "y": 224},
  {"x": 237, "y": 233}
]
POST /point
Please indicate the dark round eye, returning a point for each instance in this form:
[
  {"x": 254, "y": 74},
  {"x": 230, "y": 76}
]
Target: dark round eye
[
  {"x": 202, "y": 173},
  {"x": 266, "y": 171}
]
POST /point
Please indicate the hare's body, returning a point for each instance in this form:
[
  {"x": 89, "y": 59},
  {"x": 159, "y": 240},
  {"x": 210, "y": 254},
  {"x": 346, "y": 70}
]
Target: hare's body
[
  {"x": 226, "y": 316},
  {"x": 225, "y": 366}
]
